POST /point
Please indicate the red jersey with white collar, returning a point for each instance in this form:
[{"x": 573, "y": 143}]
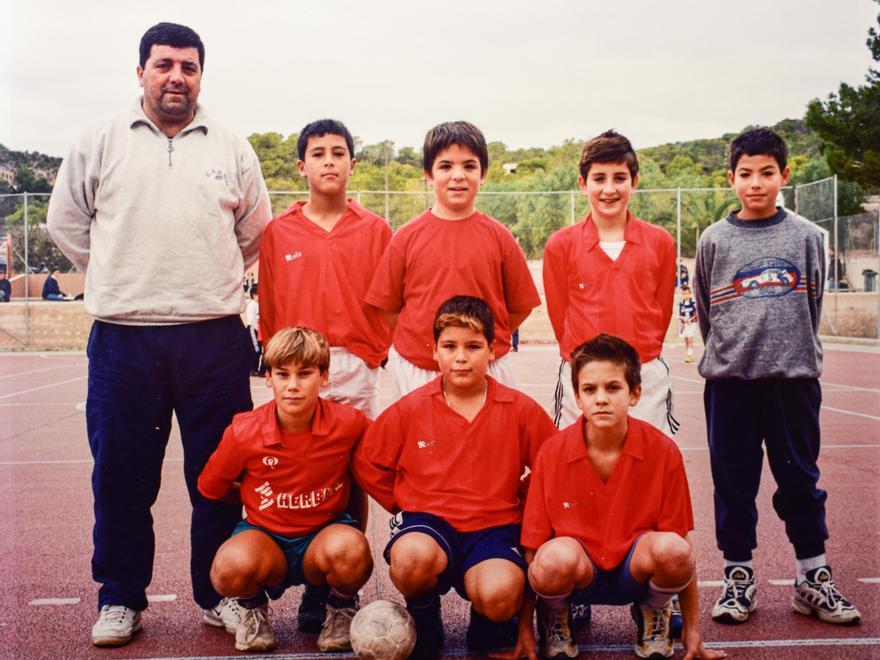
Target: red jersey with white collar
[
  {"x": 630, "y": 297},
  {"x": 422, "y": 456},
  {"x": 648, "y": 491},
  {"x": 319, "y": 279},
  {"x": 293, "y": 483},
  {"x": 429, "y": 260}
]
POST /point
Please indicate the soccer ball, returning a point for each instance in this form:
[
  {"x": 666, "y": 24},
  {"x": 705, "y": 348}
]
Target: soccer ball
[{"x": 383, "y": 630}]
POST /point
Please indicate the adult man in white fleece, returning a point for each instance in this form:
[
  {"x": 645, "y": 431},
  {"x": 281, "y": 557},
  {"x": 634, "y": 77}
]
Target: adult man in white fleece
[{"x": 164, "y": 208}]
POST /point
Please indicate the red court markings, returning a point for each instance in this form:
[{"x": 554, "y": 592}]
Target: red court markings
[{"x": 47, "y": 517}]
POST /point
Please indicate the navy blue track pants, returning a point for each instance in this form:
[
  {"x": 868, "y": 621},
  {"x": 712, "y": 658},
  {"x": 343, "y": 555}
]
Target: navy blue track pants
[
  {"x": 138, "y": 377},
  {"x": 742, "y": 417}
]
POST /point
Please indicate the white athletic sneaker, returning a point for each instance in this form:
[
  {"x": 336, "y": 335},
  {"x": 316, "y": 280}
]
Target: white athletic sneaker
[
  {"x": 228, "y": 613},
  {"x": 653, "y": 639},
  {"x": 555, "y": 640},
  {"x": 737, "y": 599},
  {"x": 116, "y": 625},
  {"x": 818, "y": 596},
  {"x": 254, "y": 633},
  {"x": 335, "y": 634}
]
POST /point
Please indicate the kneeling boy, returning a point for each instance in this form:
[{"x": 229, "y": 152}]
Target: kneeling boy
[
  {"x": 293, "y": 457},
  {"x": 448, "y": 458},
  {"x": 609, "y": 512}
]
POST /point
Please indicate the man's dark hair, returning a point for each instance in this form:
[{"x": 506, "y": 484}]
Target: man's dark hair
[
  {"x": 609, "y": 147},
  {"x": 174, "y": 35},
  {"x": 465, "y": 312},
  {"x": 758, "y": 142},
  {"x": 607, "y": 348},
  {"x": 459, "y": 133},
  {"x": 320, "y": 128}
]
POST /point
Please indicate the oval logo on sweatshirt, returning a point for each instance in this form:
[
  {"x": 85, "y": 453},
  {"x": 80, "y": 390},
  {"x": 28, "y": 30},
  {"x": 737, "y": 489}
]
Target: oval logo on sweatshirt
[{"x": 766, "y": 277}]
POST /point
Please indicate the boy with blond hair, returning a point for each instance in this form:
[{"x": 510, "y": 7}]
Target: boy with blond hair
[
  {"x": 609, "y": 514},
  {"x": 291, "y": 457},
  {"x": 448, "y": 459},
  {"x": 452, "y": 249},
  {"x": 760, "y": 275},
  {"x": 612, "y": 273}
]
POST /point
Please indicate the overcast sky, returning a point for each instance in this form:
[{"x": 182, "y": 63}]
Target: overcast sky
[{"x": 528, "y": 72}]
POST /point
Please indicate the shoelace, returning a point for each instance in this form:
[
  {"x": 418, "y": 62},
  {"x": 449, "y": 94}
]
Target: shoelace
[
  {"x": 658, "y": 625},
  {"x": 233, "y": 606},
  {"x": 115, "y": 613},
  {"x": 735, "y": 589},
  {"x": 559, "y": 628},
  {"x": 253, "y": 621},
  {"x": 832, "y": 595}
]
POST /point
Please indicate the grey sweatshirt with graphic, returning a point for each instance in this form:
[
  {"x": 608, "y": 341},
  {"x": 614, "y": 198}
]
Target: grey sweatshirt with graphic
[{"x": 759, "y": 297}]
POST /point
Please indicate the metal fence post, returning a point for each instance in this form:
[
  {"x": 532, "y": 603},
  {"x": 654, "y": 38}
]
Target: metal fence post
[
  {"x": 678, "y": 237},
  {"x": 836, "y": 251},
  {"x": 571, "y": 207},
  {"x": 27, "y": 277}
]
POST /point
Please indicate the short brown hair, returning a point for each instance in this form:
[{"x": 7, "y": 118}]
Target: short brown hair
[
  {"x": 460, "y": 133},
  {"x": 305, "y": 346},
  {"x": 607, "y": 348},
  {"x": 465, "y": 312},
  {"x": 610, "y": 147}
]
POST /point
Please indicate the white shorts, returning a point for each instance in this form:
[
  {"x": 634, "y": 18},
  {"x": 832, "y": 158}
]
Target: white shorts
[
  {"x": 406, "y": 377},
  {"x": 654, "y": 406},
  {"x": 351, "y": 381},
  {"x": 688, "y": 330}
]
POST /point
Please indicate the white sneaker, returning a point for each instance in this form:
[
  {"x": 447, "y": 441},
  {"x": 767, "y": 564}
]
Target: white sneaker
[
  {"x": 116, "y": 625},
  {"x": 228, "y": 613},
  {"x": 254, "y": 633},
  {"x": 335, "y": 634},
  {"x": 818, "y": 596},
  {"x": 652, "y": 640}
]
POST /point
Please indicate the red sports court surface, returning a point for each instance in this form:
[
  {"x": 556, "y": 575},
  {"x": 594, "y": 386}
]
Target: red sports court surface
[{"x": 49, "y": 601}]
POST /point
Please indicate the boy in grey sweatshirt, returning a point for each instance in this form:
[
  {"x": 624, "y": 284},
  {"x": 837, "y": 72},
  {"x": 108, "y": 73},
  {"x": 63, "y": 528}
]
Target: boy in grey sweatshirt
[{"x": 759, "y": 279}]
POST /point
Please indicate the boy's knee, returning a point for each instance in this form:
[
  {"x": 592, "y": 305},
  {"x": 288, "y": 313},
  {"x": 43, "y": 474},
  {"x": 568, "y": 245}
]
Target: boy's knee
[
  {"x": 416, "y": 563},
  {"x": 554, "y": 566},
  {"x": 232, "y": 571},
  {"x": 348, "y": 553},
  {"x": 499, "y": 601},
  {"x": 673, "y": 556}
]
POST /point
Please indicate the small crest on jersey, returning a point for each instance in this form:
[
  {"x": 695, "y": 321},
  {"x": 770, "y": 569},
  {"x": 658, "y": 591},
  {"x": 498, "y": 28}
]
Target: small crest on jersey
[{"x": 270, "y": 461}]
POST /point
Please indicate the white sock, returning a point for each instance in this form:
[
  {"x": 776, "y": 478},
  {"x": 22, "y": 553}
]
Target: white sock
[
  {"x": 658, "y": 597},
  {"x": 809, "y": 564},
  {"x": 747, "y": 564}
]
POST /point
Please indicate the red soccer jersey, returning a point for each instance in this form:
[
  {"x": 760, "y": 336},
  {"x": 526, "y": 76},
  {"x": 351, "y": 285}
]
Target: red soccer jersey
[
  {"x": 648, "y": 491},
  {"x": 420, "y": 455},
  {"x": 631, "y": 297},
  {"x": 293, "y": 483},
  {"x": 430, "y": 260},
  {"x": 319, "y": 279}
]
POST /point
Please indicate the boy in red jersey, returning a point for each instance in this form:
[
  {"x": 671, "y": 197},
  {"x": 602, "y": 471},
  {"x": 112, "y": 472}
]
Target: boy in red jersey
[
  {"x": 609, "y": 512},
  {"x": 612, "y": 273},
  {"x": 316, "y": 261},
  {"x": 448, "y": 459},
  {"x": 449, "y": 250},
  {"x": 292, "y": 457}
]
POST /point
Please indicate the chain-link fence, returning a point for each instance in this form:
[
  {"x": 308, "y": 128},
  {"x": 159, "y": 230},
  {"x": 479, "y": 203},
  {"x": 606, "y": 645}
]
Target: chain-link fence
[{"x": 533, "y": 216}]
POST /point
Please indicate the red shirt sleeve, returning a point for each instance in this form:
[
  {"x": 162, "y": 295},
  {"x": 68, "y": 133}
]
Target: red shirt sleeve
[
  {"x": 536, "y": 527},
  {"x": 386, "y": 288},
  {"x": 520, "y": 292},
  {"x": 267, "y": 286},
  {"x": 676, "y": 513},
  {"x": 374, "y": 461},
  {"x": 225, "y": 465},
  {"x": 555, "y": 274}
]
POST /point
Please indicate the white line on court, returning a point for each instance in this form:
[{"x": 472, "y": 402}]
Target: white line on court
[
  {"x": 162, "y": 598},
  {"x": 871, "y": 580},
  {"x": 43, "y": 387},
  {"x": 35, "y": 371},
  {"x": 710, "y": 583},
  {"x": 782, "y": 583},
  {"x": 852, "y": 388},
  {"x": 851, "y": 412},
  {"x": 54, "y": 601}
]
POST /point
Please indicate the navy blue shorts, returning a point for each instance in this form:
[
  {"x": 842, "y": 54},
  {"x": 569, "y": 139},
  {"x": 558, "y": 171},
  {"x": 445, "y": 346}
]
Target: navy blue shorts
[
  {"x": 463, "y": 549},
  {"x": 294, "y": 550},
  {"x": 614, "y": 587}
]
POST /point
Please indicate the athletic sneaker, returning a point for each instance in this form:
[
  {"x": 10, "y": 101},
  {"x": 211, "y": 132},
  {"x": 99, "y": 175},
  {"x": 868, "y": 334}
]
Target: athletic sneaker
[
  {"x": 228, "y": 614},
  {"x": 116, "y": 625},
  {"x": 254, "y": 633},
  {"x": 335, "y": 634},
  {"x": 738, "y": 598},
  {"x": 580, "y": 612},
  {"x": 312, "y": 608},
  {"x": 818, "y": 596},
  {"x": 429, "y": 630},
  {"x": 554, "y": 634},
  {"x": 689, "y": 358},
  {"x": 652, "y": 637},
  {"x": 485, "y": 636}
]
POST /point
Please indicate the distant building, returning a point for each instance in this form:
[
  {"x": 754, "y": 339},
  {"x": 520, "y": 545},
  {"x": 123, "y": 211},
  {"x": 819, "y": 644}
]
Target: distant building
[{"x": 509, "y": 168}]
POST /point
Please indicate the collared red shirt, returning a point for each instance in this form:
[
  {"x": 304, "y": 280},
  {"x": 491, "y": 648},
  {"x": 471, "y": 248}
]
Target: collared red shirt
[
  {"x": 430, "y": 260},
  {"x": 293, "y": 483},
  {"x": 422, "y": 456},
  {"x": 319, "y": 279},
  {"x": 647, "y": 491},
  {"x": 630, "y": 297}
]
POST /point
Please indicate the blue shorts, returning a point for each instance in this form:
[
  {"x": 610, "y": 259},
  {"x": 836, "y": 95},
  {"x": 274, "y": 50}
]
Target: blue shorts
[
  {"x": 294, "y": 550},
  {"x": 614, "y": 587},
  {"x": 463, "y": 549}
]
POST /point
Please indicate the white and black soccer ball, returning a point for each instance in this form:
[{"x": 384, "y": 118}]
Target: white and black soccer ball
[{"x": 383, "y": 630}]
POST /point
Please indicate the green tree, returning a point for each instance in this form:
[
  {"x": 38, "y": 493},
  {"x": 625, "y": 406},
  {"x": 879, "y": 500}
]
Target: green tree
[
  {"x": 849, "y": 125},
  {"x": 26, "y": 181}
]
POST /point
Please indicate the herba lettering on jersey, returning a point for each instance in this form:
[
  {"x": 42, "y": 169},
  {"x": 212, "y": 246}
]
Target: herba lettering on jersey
[{"x": 307, "y": 500}]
